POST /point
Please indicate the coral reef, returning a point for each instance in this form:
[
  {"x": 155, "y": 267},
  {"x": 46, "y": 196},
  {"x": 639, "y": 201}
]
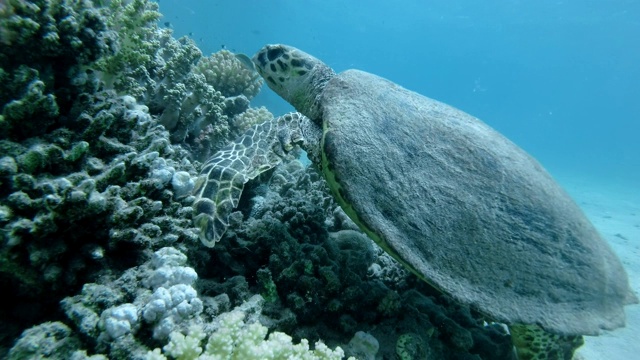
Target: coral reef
[
  {"x": 105, "y": 119},
  {"x": 139, "y": 40},
  {"x": 142, "y": 307},
  {"x": 194, "y": 97},
  {"x": 157, "y": 69},
  {"x": 89, "y": 180},
  {"x": 82, "y": 204},
  {"x": 47, "y": 46},
  {"x": 126, "y": 317}
]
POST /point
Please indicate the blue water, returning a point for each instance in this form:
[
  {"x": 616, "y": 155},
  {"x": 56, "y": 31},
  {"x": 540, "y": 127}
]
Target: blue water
[{"x": 559, "y": 78}]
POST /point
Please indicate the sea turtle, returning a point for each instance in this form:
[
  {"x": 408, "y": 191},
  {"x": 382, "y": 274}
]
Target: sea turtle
[{"x": 451, "y": 199}]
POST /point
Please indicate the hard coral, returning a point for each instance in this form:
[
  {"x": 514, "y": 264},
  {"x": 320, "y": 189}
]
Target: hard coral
[
  {"x": 252, "y": 116},
  {"x": 157, "y": 69},
  {"x": 229, "y": 75},
  {"x": 115, "y": 313},
  {"x": 235, "y": 340},
  {"x": 81, "y": 200},
  {"x": 47, "y": 47},
  {"x": 191, "y": 95},
  {"x": 134, "y": 25},
  {"x": 64, "y": 32}
]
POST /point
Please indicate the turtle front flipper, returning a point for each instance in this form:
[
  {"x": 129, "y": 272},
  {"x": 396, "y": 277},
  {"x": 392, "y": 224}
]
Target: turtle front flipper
[
  {"x": 531, "y": 342},
  {"x": 223, "y": 176}
]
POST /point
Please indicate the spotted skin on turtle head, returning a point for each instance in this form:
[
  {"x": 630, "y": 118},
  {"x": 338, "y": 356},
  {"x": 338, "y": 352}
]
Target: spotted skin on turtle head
[
  {"x": 276, "y": 64},
  {"x": 294, "y": 75}
]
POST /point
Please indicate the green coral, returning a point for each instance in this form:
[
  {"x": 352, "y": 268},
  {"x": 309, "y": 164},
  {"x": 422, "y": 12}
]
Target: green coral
[
  {"x": 46, "y": 48},
  {"x": 134, "y": 22},
  {"x": 31, "y": 102},
  {"x": 149, "y": 64},
  {"x": 160, "y": 71},
  {"x": 409, "y": 347},
  {"x": 235, "y": 340},
  {"x": 77, "y": 151},
  {"x": 269, "y": 290},
  {"x": 195, "y": 98}
]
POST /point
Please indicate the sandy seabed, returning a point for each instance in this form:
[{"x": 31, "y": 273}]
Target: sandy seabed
[{"x": 614, "y": 209}]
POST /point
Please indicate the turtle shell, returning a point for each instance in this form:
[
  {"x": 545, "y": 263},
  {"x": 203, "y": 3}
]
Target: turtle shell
[{"x": 466, "y": 209}]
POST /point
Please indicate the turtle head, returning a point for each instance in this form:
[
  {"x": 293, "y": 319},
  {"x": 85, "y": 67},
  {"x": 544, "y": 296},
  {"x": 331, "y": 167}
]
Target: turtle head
[{"x": 295, "y": 75}]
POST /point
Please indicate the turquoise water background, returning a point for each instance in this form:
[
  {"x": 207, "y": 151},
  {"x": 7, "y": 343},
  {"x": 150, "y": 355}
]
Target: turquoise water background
[{"x": 559, "y": 78}]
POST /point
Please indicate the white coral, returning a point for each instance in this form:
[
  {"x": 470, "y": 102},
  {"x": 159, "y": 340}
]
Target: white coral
[
  {"x": 120, "y": 320},
  {"x": 234, "y": 340},
  {"x": 252, "y": 116},
  {"x": 174, "y": 299},
  {"x": 229, "y": 75},
  {"x": 169, "y": 270}
]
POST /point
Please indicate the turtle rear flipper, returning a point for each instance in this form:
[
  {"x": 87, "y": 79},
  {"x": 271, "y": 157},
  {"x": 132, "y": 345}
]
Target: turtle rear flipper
[
  {"x": 534, "y": 343},
  {"x": 223, "y": 176}
]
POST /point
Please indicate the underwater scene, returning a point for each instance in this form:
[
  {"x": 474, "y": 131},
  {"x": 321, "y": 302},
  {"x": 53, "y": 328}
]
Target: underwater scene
[{"x": 376, "y": 180}]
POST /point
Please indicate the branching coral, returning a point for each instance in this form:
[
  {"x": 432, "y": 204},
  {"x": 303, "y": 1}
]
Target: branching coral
[
  {"x": 134, "y": 24},
  {"x": 156, "y": 68},
  {"x": 80, "y": 201},
  {"x": 235, "y": 340},
  {"x": 193, "y": 97},
  {"x": 243, "y": 121},
  {"x": 229, "y": 75},
  {"x": 47, "y": 46}
]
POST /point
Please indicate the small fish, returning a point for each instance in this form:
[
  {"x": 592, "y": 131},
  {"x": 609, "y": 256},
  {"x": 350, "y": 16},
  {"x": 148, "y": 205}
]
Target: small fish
[
  {"x": 245, "y": 60},
  {"x": 167, "y": 24},
  {"x": 223, "y": 46},
  {"x": 191, "y": 33}
]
